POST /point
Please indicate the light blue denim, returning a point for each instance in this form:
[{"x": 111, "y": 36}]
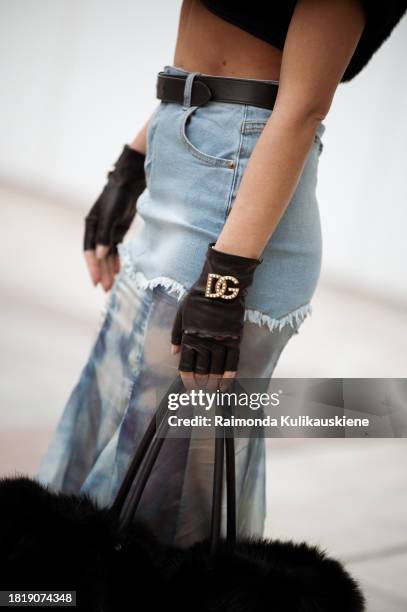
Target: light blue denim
[
  {"x": 194, "y": 164},
  {"x": 195, "y": 160},
  {"x": 129, "y": 368}
]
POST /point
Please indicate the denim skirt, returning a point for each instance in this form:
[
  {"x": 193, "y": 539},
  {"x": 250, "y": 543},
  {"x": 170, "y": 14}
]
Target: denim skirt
[{"x": 194, "y": 163}]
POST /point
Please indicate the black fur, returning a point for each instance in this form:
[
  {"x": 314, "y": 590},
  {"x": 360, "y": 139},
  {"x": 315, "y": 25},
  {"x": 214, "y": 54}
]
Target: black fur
[
  {"x": 64, "y": 542},
  {"x": 260, "y": 576},
  {"x": 56, "y": 541}
]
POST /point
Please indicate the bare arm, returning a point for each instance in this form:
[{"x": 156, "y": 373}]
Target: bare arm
[
  {"x": 139, "y": 142},
  {"x": 321, "y": 39}
]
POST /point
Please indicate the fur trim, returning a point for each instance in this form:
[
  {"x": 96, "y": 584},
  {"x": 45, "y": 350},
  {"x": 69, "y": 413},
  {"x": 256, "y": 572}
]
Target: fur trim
[
  {"x": 55, "y": 541},
  {"x": 51, "y": 541},
  {"x": 261, "y": 575}
]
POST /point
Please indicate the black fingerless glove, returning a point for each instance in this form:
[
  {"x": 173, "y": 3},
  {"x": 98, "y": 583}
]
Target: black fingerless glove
[
  {"x": 113, "y": 212},
  {"x": 210, "y": 318}
]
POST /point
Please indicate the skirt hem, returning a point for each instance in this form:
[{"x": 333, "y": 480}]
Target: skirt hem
[{"x": 293, "y": 318}]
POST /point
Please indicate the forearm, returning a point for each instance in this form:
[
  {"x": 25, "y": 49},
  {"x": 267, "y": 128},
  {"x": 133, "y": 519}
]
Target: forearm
[
  {"x": 268, "y": 183},
  {"x": 320, "y": 42}
]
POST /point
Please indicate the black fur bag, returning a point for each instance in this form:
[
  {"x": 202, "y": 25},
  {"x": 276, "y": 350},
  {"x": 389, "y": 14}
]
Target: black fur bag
[
  {"x": 52, "y": 541},
  {"x": 57, "y": 542},
  {"x": 245, "y": 575},
  {"x": 260, "y": 576}
]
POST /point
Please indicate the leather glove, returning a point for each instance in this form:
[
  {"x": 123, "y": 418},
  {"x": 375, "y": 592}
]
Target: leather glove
[
  {"x": 113, "y": 212},
  {"x": 209, "y": 321}
]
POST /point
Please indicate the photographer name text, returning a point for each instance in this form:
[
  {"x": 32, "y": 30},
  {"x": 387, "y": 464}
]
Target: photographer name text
[{"x": 266, "y": 421}]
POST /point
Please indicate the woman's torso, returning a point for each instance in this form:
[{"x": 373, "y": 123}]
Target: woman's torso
[
  {"x": 206, "y": 43},
  {"x": 196, "y": 157}
]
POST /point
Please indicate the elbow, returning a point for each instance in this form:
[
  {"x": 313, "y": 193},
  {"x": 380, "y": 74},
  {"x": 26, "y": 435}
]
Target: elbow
[
  {"x": 318, "y": 113},
  {"x": 316, "y": 108},
  {"x": 313, "y": 113},
  {"x": 306, "y": 113}
]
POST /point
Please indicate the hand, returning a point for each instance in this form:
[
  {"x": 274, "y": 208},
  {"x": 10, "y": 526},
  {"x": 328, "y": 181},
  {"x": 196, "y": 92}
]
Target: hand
[
  {"x": 111, "y": 216},
  {"x": 209, "y": 322}
]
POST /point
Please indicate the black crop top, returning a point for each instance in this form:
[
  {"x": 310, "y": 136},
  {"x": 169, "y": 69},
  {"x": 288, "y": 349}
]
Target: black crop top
[{"x": 254, "y": 17}]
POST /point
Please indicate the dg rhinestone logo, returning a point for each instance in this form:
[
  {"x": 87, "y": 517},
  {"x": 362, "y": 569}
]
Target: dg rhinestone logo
[{"x": 221, "y": 287}]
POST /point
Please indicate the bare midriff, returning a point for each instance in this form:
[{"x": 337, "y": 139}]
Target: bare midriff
[{"x": 208, "y": 44}]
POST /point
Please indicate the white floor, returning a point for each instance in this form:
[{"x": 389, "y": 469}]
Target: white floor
[{"x": 350, "y": 496}]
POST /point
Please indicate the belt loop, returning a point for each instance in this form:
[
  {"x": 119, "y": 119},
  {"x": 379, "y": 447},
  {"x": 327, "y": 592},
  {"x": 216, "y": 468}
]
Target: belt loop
[{"x": 189, "y": 81}]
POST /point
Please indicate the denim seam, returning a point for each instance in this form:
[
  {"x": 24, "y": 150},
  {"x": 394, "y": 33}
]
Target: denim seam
[
  {"x": 236, "y": 170},
  {"x": 135, "y": 375},
  {"x": 105, "y": 317},
  {"x": 150, "y": 153},
  {"x": 135, "y": 378},
  {"x": 145, "y": 316},
  {"x": 252, "y": 126}
]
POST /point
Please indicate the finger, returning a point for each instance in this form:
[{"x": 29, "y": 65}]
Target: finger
[
  {"x": 93, "y": 266},
  {"x": 187, "y": 360},
  {"x": 229, "y": 375},
  {"x": 175, "y": 348},
  {"x": 176, "y": 332},
  {"x": 232, "y": 359},
  {"x": 188, "y": 380},
  {"x": 213, "y": 381},
  {"x": 218, "y": 359},
  {"x": 106, "y": 278},
  {"x": 203, "y": 361},
  {"x": 227, "y": 380},
  {"x": 200, "y": 380},
  {"x": 101, "y": 251},
  {"x": 116, "y": 263},
  {"x": 110, "y": 265},
  {"x": 103, "y": 274},
  {"x": 105, "y": 231}
]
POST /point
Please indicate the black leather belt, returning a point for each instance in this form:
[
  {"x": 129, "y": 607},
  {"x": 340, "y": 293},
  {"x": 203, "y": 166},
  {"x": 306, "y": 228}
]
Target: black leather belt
[{"x": 170, "y": 88}]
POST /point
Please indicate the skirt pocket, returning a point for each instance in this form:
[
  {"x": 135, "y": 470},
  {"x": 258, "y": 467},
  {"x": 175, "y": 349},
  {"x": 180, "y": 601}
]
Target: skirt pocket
[{"x": 205, "y": 138}]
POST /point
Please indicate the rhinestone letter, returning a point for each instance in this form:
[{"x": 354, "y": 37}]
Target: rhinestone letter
[{"x": 221, "y": 286}]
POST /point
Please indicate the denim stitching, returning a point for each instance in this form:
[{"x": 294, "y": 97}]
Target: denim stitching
[
  {"x": 236, "y": 170},
  {"x": 251, "y": 127},
  {"x": 189, "y": 82},
  {"x": 150, "y": 136},
  {"x": 209, "y": 160}
]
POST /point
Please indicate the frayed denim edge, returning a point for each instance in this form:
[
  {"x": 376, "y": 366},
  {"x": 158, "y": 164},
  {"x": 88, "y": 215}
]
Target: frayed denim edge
[
  {"x": 294, "y": 318},
  {"x": 173, "y": 287}
]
